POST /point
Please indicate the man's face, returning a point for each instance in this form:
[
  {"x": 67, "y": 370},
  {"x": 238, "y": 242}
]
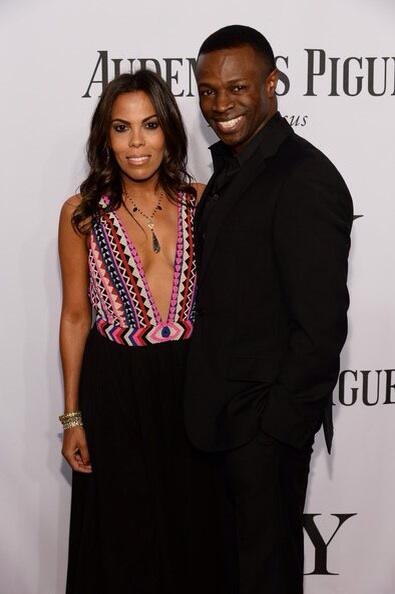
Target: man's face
[{"x": 237, "y": 93}]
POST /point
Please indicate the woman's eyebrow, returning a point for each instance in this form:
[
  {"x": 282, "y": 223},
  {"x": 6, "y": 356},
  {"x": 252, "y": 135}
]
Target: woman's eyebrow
[
  {"x": 149, "y": 117},
  {"x": 154, "y": 115}
]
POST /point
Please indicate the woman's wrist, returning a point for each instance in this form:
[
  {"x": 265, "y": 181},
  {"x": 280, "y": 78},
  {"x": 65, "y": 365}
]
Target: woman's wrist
[
  {"x": 70, "y": 404},
  {"x": 71, "y": 419}
]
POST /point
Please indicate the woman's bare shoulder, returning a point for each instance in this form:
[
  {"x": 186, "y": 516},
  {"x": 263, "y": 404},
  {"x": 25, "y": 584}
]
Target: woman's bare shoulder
[
  {"x": 72, "y": 203},
  {"x": 67, "y": 211},
  {"x": 199, "y": 187}
]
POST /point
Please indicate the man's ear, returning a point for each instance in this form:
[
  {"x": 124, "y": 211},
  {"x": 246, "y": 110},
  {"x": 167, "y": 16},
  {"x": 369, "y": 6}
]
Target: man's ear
[{"x": 271, "y": 83}]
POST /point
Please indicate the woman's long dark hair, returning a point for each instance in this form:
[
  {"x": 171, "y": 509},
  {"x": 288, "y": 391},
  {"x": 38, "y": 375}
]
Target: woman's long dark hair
[{"x": 105, "y": 175}]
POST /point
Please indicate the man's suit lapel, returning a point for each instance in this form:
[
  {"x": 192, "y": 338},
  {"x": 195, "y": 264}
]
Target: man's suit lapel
[
  {"x": 202, "y": 201},
  {"x": 229, "y": 197}
]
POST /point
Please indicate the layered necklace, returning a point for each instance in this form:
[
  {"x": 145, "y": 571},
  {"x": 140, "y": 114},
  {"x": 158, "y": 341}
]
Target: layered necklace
[{"x": 149, "y": 218}]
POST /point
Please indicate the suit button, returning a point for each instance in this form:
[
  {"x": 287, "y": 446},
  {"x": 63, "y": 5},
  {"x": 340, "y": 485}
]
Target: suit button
[{"x": 215, "y": 197}]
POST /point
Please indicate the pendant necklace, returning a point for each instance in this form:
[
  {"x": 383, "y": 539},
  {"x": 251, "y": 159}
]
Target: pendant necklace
[{"x": 150, "y": 219}]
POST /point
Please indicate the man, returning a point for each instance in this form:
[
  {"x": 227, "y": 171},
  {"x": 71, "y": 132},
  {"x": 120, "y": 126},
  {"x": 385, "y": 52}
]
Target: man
[{"x": 273, "y": 235}]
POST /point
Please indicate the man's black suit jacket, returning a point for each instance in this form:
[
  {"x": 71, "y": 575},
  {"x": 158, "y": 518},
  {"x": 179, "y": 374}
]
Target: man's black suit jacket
[{"x": 272, "y": 298}]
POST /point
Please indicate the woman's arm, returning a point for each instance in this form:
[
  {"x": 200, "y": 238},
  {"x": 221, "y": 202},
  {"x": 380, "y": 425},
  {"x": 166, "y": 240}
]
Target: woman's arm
[{"x": 75, "y": 323}]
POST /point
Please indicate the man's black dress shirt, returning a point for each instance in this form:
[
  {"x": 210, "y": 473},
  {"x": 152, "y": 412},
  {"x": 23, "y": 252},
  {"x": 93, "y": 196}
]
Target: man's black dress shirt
[{"x": 226, "y": 164}]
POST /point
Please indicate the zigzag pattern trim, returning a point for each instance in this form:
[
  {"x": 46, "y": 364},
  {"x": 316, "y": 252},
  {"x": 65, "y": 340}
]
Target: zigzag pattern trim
[{"x": 163, "y": 332}]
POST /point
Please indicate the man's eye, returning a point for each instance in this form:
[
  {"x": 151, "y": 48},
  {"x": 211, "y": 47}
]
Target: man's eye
[
  {"x": 206, "y": 92},
  {"x": 238, "y": 88}
]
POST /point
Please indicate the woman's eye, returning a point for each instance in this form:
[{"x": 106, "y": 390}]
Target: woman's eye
[
  {"x": 119, "y": 127},
  {"x": 152, "y": 125}
]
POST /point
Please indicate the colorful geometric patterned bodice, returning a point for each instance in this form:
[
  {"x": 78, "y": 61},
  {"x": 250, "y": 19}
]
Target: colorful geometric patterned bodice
[{"x": 125, "y": 309}]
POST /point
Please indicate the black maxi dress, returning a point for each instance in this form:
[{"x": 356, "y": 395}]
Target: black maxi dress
[{"x": 148, "y": 520}]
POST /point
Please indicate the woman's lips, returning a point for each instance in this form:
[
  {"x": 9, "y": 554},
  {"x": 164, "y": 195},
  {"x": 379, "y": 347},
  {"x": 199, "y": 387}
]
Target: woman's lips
[
  {"x": 141, "y": 160},
  {"x": 228, "y": 126}
]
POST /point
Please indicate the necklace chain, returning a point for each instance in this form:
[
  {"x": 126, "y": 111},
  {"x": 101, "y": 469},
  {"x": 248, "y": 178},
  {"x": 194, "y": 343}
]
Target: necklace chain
[{"x": 150, "y": 219}]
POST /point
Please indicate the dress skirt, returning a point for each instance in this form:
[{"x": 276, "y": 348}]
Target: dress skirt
[{"x": 148, "y": 518}]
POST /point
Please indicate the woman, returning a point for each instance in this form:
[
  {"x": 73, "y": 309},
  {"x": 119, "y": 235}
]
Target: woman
[{"x": 143, "y": 503}]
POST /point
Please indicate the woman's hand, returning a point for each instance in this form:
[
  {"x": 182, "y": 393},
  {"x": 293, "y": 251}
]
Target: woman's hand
[{"x": 75, "y": 449}]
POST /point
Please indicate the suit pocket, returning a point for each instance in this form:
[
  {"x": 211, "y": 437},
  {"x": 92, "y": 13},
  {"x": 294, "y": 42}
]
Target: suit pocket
[{"x": 248, "y": 368}]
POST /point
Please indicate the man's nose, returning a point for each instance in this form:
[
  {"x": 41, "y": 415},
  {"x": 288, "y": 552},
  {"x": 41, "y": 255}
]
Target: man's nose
[{"x": 223, "y": 102}]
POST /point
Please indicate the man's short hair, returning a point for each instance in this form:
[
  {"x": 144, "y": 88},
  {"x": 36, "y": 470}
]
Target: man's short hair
[{"x": 236, "y": 36}]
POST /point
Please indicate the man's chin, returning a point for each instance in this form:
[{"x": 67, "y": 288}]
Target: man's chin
[{"x": 232, "y": 140}]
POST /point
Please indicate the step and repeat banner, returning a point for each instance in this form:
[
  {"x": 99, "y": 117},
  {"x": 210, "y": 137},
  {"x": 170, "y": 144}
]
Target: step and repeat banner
[{"x": 337, "y": 89}]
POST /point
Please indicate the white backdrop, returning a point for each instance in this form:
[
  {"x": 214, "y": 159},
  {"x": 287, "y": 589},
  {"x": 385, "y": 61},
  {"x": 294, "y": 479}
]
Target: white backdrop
[{"x": 49, "y": 51}]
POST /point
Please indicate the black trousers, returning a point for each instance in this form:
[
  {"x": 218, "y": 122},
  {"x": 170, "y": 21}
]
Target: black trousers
[{"x": 265, "y": 484}]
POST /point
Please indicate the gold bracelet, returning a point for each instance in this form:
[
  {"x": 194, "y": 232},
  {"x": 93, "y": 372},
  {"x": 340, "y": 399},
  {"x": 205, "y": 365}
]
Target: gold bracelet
[
  {"x": 70, "y": 415},
  {"x": 77, "y": 422},
  {"x": 71, "y": 419}
]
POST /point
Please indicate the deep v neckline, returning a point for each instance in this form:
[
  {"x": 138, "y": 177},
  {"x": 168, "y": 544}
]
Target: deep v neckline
[{"x": 177, "y": 267}]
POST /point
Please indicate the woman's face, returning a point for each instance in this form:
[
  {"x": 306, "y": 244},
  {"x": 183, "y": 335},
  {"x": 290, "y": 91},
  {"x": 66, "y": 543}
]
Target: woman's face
[{"x": 136, "y": 138}]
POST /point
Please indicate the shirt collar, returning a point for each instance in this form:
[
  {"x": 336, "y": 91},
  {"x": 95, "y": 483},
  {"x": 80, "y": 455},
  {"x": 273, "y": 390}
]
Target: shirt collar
[{"x": 222, "y": 154}]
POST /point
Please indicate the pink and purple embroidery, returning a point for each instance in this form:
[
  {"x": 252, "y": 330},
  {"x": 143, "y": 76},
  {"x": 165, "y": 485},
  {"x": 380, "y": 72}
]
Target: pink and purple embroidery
[{"x": 126, "y": 312}]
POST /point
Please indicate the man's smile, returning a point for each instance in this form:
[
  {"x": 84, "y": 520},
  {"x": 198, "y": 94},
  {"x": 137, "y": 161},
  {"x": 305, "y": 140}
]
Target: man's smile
[{"x": 227, "y": 126}]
